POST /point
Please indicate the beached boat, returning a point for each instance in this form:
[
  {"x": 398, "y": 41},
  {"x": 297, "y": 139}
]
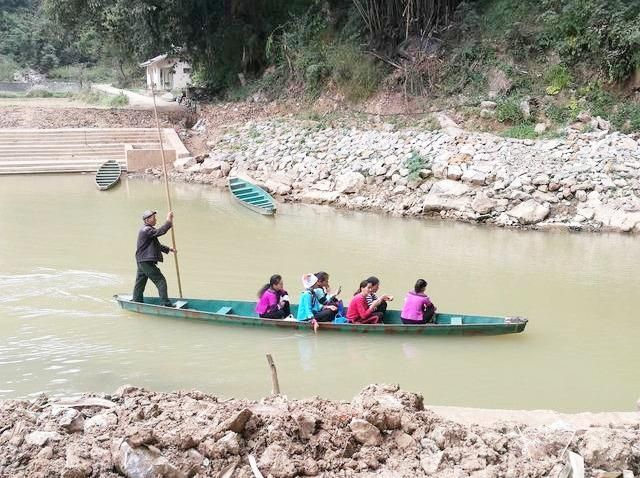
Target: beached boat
[
  {"x": 252, "y": 196},
  {"x": 242, "y": 313},
  {"x": 108, "y": 174}
]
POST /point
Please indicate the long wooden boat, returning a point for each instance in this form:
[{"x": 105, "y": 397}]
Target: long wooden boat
[
  {"x": 252, "y": 196},
  {"x": 108, "y": 174},
  {"x": 230, "y": 312}
]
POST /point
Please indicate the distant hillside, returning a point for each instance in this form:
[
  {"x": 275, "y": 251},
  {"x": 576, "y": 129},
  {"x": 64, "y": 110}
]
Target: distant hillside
[{"x": 537, "y": 61}]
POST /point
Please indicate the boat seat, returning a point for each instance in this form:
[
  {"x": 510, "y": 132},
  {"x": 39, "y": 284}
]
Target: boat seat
[
  {"x": 180, "y": 304},
  {"x": 224, "y": 310},
  {"x": 456, "y": 320}
]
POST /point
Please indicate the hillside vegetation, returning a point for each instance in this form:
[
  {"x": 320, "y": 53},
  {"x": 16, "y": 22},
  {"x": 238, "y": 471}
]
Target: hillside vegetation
[{"x": 538, "y": 61}]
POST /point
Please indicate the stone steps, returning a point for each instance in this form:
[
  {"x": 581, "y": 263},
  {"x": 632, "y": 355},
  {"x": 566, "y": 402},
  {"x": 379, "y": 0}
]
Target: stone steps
[
  {"x": 26, "y": 151},
  {"x": 54, "y": 167}
]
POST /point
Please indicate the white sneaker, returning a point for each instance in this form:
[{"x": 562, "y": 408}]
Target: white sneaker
[{"x": 289, "y": 318}]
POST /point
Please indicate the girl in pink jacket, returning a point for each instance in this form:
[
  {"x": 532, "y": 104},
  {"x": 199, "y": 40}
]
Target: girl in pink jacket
[{"x": 418, "y": 308}]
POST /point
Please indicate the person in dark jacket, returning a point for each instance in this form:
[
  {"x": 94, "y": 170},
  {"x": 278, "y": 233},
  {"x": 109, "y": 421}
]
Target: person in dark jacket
[{"x": 148, "y": 254}]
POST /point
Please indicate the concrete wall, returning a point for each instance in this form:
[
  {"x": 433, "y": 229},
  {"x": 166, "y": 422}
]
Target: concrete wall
[
  {"x": 52, "y": 86},
  {"x": 179, "y": 77},
  {"x": 141, "y": 157}
]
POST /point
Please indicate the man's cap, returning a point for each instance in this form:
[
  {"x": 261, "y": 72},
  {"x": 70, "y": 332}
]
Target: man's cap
[{"x": 147, "y": 214}]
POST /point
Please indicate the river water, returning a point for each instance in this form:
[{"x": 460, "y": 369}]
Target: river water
[{"x": 66, "y": 248}]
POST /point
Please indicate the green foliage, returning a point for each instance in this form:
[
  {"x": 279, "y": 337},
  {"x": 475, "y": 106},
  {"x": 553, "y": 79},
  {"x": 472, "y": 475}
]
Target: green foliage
[
  {"x": 83, "y": 73},
  {"x": 500, "y": 17},
  {"x": 466, "y": 68},
  {"x": 508, "y": 109},
  {"x": 557, "y": 78},
  {"x": 31, "y": 39},
  {"x": 521, "y": 131},
  {"x": 118, "y": 101},
  {"x": 7, "y": 68},
  {"x": 415, "y": 164},
  {"x": 605, "y": 33},
  {"x": 558, "y": 114},
  {"x": 38, "y": 93},
  {"x": 302, "y": 50},
  {"x": 96, "y": 98},
  {"x": 599, "y": 101},
  {"x": 356, "y": 74},
  {"x": 626, "y": 117}
]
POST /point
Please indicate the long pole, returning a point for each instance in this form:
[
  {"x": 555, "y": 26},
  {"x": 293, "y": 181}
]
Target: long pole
[{"x": 166, "y": 188}]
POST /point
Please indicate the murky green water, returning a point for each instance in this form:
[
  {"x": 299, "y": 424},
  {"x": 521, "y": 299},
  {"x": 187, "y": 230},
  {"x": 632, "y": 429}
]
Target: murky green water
[{"x": 66, "y": 248}]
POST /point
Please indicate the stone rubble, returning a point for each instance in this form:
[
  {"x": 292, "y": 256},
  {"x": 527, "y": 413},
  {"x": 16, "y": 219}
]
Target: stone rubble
[
  {"x": 384, "y": 431},
  {"x": 586, "y": 181}
]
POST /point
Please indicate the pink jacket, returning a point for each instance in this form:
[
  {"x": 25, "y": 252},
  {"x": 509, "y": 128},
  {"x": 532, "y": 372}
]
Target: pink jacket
[
  {"x": 414, "y": 305},
  {"x": 269, "y": 300}
]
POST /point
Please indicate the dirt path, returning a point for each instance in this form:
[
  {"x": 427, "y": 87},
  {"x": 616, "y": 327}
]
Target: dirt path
[{"x": 136, "y": 100}]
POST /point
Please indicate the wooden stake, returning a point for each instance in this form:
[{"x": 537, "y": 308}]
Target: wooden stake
[
  {"x": 166, "y": 187},
  {"x": 274, "y": 376}
]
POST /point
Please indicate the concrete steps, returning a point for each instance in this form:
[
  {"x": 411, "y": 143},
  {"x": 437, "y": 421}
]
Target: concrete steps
[{"x": 28, "y": 151}]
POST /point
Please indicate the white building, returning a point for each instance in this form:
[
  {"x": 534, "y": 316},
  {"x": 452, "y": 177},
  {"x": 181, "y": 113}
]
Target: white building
[{"x": 166, "y": 72}]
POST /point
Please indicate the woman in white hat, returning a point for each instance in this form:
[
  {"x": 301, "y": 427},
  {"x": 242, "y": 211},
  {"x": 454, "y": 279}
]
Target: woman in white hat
[{"x": 310, "y": 307}]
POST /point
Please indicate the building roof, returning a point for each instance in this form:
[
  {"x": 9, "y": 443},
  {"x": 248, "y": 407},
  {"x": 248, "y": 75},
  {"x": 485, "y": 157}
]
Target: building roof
[{"x": 153, "y": 60}]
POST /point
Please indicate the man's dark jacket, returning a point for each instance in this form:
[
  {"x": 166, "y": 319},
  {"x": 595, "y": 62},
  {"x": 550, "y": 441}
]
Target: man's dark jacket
[{"x": 149, "y": 248}]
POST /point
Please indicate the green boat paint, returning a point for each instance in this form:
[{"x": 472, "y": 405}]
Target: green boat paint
[
  {"x": 251, "y": 196},
  {"x": 242, "y": 313},
  {"x": 108, "y": 175}
]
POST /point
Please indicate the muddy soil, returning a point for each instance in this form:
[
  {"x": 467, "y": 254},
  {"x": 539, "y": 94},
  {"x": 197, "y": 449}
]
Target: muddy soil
[{"x": 384, "y": 431}]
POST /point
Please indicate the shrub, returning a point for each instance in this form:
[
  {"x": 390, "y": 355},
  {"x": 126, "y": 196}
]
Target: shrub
[
  {"x": 90, "y": 96},
  {"x": 599, "y": 102},
  {"x": 600, "y": 32},
  {"x": 118, "y": 101},
  {"x": 521, "y": 131},
  {"x": 558, "y": 114},
  {"x": 465, "y": 68},
  {"x": 558, "y": 78},
  {"x": 416, "y": 163},
  {"x": 626, "y": 117},
  {"x": 83, "y": 73},
  {"x": 37, "y": 93},
  {"x": 7, "y": 68},
  {"x": 356, "y": 74},
  {"x": 508, "y": 109}
]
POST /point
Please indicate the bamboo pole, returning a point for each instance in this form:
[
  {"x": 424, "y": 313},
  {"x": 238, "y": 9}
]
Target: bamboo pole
[
  {"x": 166, "y": 187},
  {"x": 274, "y": 376}
]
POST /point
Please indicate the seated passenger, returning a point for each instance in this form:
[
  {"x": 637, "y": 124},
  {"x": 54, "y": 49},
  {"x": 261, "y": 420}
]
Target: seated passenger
[
  {"x": 274, "y": 300},
  {"x": 374, "y": 285},
  {"x": 322, "y": 290},
  {"x": 310, "y": 307},
  {"x": 359, "y": 312},
  {"x": 418, "y": 308}
]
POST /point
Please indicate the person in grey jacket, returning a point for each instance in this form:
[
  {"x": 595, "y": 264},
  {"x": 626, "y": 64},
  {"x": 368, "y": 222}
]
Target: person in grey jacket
[{"x": 148, "y": 254}]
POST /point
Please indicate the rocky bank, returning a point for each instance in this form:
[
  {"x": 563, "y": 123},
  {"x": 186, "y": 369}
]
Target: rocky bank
[
  {"x": 583, "y": 181},
  {"x": 383, "y": 431}
]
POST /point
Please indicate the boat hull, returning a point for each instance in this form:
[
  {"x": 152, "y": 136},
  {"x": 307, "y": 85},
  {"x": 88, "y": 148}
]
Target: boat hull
[
  {"x": 251, "y": 196},
  {"x": 108, "y": 175},
  {"x": 241, "y": 313}
]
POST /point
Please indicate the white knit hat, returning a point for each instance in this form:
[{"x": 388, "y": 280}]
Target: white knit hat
[{"x": 309, "y": 280}]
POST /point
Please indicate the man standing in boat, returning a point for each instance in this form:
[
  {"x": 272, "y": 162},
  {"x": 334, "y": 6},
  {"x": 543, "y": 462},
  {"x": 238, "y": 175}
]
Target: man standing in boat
[{"x": 148, "y": 254}]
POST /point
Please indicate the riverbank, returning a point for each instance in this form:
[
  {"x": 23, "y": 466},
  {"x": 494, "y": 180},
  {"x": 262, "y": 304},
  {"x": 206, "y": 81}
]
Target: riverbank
[
  {"x": 588, "y": 179},
  {"x": 383, "y": 431},
  {"x": 585, "y": 181}
]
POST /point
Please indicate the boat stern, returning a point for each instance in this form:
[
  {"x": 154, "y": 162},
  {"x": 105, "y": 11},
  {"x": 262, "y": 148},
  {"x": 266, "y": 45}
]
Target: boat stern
[{"x": 519, "y": 322}]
